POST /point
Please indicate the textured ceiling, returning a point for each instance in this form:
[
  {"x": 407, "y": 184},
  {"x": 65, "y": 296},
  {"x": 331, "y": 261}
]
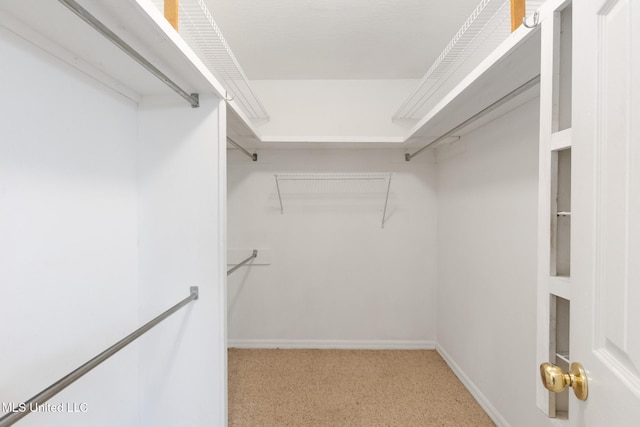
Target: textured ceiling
[{"x": 338, "y": 39}]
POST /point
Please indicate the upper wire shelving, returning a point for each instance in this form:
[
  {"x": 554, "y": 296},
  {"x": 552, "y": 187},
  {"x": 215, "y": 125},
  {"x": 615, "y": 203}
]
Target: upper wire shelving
[
  {"x": 486, "y": 28},
  {"x": 200, "y": 31},
  {"x": 375, "y": 184}
]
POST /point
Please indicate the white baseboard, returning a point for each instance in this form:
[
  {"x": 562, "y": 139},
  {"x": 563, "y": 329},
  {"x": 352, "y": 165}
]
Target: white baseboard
[
  {"x": 493, "y": 413},
  {"x": 334, "y": 344}
]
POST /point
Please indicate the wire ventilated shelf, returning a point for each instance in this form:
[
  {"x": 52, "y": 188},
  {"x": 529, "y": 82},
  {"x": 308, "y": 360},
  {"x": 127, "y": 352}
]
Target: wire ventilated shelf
[
  {"x": 199, "y": 30},
  {"x": 370, "y": 186},
  {"x": 485, "y": 29}
]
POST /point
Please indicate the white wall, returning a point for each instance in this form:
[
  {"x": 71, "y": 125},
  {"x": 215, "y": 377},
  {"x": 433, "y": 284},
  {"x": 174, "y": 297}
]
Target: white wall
[
  {"x": 335, "y": 278},
  {"x": 487, "y": 233},
  {"x": 107, "y": 216},
  {"x": 68, "y": 256},
  {"x": 181, "y": 241},
  {"x": 318, "y": 110}
]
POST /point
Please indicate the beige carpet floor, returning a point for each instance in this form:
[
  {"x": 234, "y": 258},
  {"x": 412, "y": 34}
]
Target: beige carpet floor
[{"x": 347, "y": 388}]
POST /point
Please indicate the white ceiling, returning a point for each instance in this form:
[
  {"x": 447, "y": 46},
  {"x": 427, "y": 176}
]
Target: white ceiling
[{"x": 338, "y": 39}]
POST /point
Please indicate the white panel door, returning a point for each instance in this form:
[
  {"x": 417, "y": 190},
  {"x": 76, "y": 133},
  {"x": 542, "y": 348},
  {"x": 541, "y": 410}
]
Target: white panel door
[{"x": 605, "y": 300}]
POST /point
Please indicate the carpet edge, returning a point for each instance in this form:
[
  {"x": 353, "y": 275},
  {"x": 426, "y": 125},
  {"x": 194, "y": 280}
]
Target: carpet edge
[{"x": 482, "y": 400}]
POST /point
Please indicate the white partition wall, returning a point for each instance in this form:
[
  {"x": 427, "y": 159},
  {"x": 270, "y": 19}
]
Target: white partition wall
[
  {"x": 109, "y": 213},
  {"x": 487, "y": 216},
  {"x": 68, "y": 238},
  {"x": 183, "y": 360}
]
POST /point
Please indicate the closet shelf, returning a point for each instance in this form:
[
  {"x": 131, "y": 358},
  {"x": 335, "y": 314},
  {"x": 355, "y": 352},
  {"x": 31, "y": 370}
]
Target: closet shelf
[
  {"x": 561, "y": 140},
  {"x": 54, "y": 28},
  {"x": 564, "y": 356},
  {"x": 485, "y": 67},
  {"x": 560, "y": 286},
  {"x": 374, "y": 184},
  {"x": 488, "y": 25}
]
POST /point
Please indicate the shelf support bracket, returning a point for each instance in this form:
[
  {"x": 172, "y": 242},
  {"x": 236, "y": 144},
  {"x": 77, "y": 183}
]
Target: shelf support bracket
[
  {"x": 386, "y": 201},
  {"x": 279, "y": 194}
]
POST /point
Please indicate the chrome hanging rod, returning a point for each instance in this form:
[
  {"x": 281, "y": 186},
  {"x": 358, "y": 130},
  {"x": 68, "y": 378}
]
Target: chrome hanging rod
[
  {"x": 192, "y": 98},
  {"x": 253, "y": 156},
  {"x": 231, "y": 270},
  {"x": 61, "y": 384},
  {"x": 508, "y": 97}
]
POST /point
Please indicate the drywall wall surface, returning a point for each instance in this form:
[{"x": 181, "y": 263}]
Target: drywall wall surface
[
  {"x": 68, "y": 256},
  {"x": 487, "y": 231},
  {"x": 310, "y": 110},
  {"x": 183, "y": 359},
  {"x": 330, "y": 275}
]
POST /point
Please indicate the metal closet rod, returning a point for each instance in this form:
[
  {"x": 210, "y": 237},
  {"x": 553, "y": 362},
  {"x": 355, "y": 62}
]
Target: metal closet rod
[
  {"x": 254, "y": 156},
  {"x": 508, "y": 97},
  {"x": 46, "y": 394},
  {"x": 231, "y": 270},
  {"x": 192, "y": 98}
]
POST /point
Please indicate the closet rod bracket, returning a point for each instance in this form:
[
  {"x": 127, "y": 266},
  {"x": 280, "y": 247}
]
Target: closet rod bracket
[
  {"x": 253, "y": 156},
  {"x": 195, "y": 100}
]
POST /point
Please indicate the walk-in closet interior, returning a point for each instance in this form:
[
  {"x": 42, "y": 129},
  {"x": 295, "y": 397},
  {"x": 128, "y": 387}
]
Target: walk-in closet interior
[{"x": 185, "y": 177}]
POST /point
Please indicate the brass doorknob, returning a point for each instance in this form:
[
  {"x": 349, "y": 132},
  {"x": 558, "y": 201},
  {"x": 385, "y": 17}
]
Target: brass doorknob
[{"x": 555, "y": 379}]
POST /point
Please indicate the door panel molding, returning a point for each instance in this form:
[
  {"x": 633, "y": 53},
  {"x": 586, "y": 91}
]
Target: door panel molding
[{"x": 616, "y": 323}]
